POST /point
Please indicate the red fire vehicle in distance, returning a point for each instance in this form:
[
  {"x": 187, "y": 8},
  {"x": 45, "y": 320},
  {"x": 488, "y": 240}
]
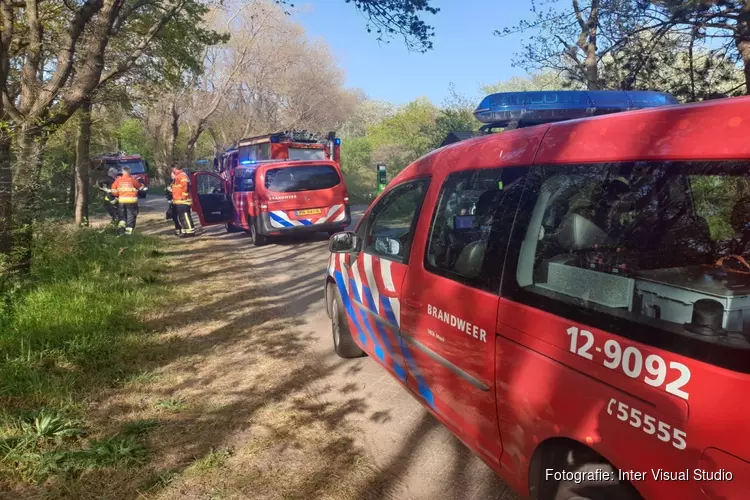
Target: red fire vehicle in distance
[
  {"x": 101, "y": 164},
  {"x": 273, "y": 197},
  {"x": 287, "y": 145},
  {"x": 569, "y": 297},
  {"x": 290, "y": 145}
]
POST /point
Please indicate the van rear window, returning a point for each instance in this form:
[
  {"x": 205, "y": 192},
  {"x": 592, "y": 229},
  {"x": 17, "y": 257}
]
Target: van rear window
[{"x": 307, "y": 178}]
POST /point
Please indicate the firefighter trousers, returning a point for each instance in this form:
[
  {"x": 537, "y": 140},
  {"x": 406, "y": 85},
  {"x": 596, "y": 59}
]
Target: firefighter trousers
[
  {"x": 110, "y": 203},
  {"x": 128, "y": 216},
  {"x": 183, "y": 219}
]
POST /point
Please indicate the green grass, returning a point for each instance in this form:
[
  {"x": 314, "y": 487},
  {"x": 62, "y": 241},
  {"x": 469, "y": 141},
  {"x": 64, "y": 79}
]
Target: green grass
[
  {"x": 139, "y": 427},
  {"x": 215, "y": 459},
  {"x": 34, "y": 448},
  {"x": 172, "y": 404},
  {"x": 67, "y": 331}
]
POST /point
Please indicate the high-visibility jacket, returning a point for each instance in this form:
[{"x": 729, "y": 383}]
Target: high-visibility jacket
[
  {"x": 125, "y": 189},
  {"x": 181, "y": 189}
]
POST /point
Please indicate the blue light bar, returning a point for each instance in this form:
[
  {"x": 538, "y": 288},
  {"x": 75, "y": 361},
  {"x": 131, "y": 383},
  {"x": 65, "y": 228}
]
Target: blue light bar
[
  {"x": 247, "y": 162},
  {"x": 337, "y": 141},
  {"x": 534, "y": 108}
]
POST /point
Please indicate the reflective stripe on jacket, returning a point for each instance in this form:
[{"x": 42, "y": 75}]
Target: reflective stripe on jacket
[
  {"x": 181, "y": 189},
  {"x": 125, "y": 189}
]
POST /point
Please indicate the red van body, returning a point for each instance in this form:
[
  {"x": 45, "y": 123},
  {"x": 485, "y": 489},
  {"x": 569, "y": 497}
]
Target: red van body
[
  {"x": 274, "y": 198},
  {"x": 535, "y": 339}
]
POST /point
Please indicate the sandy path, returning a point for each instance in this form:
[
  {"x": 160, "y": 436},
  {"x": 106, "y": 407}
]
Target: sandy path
[{"x": 253, "y": 403}]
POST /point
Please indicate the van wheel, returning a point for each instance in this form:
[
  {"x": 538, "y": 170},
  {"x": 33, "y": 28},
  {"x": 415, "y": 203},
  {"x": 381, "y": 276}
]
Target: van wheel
[
  {"x": 258, "y": 239},
  {"x": 231, "y": 228},
  {"x": 343, "y": 342},
  {"x": 575, "y": 458}
]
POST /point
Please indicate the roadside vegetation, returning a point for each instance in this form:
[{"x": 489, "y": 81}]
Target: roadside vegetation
[{"x": 69, "y": 331}]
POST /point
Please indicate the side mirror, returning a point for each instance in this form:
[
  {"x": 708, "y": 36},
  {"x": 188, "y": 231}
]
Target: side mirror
[{"x": 346, "y": 242}]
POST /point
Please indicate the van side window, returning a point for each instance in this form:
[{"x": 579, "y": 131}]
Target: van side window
[
  {"x": 244, "y": 180},
  {"x": 209, "y": 184},
  {"x": 391, "y": 226},
  {"x": 471, "y": 225},
  {"x": 652, "y": 251}
]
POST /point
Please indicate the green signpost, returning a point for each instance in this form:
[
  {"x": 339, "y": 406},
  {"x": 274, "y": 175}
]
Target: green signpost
[{"x": 382, "y": 177}]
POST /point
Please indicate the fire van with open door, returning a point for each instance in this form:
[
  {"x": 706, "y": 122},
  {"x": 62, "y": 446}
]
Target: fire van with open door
[{"x": 274, "y": 198}]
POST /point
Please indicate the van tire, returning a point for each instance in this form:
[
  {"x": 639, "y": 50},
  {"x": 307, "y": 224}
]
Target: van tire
[
  {"x": 570, "y": 456},
  {"x": 343, "y": 342},
  {"x": 231, "y": 228},
  {"x": 258, "y": 239}
]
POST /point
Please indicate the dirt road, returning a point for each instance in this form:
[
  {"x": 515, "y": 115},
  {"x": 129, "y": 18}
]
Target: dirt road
[{"x": 251, "y": 401}]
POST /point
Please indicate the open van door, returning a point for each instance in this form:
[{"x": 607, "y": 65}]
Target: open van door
[{"x": 211, "y": 200}]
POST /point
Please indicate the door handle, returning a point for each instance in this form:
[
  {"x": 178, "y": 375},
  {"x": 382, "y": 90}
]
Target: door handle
[{"x": 413, "y": 304}]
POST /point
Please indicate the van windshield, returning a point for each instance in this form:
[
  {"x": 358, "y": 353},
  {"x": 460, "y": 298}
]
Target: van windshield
[
  {"x": 136, "y": 166},
  {"x": 305, "y": 178}
]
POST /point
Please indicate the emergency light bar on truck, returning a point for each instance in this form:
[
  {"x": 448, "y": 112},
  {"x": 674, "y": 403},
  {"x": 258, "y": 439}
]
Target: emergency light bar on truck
[
  {"x": 508, "y": 110},
  {"x": 288, "y": 136}
]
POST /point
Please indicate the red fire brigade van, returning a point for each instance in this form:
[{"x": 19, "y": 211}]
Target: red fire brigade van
[
  {"x": 138, "y": 167},
  {"x": 271, "y": 198},
  {"x": 569, "y": 298}
]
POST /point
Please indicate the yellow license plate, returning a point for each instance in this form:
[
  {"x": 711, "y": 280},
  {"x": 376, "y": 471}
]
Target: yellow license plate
[{"x": 311, "y": 211}]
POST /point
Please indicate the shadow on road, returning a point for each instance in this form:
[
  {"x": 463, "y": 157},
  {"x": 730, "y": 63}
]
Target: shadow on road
[{"x": 251, "y": 402}]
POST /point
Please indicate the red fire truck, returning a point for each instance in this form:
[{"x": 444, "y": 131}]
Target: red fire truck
[
  {"x": 287, "y": 145},
  {"x": 101, "y": 164}
]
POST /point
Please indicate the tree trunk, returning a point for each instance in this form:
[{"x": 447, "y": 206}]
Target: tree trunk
[
  {"x": 171, "y": 140},
  {"x": 6, "y": 197},
  {"x": 72, "y": 184},
  {"x": 82, "y": 165},
  {"x": 190, "y": 149},
  {"x": 26, "y": 199},
  {"x": 592, "y": 71},
  {"x": 742, "y": 41}
]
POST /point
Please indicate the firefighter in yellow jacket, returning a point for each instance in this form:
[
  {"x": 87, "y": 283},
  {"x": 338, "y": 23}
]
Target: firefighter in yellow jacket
[
  {"x": 125, "y": 189},
  {"x": 181, "y": 202}
]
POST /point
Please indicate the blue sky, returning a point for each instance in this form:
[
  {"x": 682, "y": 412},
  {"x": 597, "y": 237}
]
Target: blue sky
[{"x": 465, "y": 53}]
